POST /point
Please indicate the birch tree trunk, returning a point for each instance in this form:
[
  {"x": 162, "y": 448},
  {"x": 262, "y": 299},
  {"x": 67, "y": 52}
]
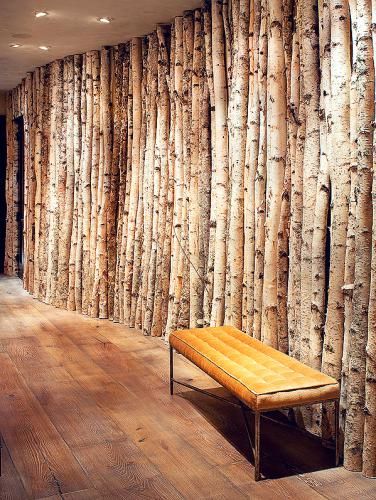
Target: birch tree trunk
[
  {"x": 339, "y": 169},
  {"x": 104, "y": 188},
  {"x": 158, "y": 292},
  {"x": 284, "y": 222},
  {"x": 208, "y": 291},
  {"x": 318, "y": 302},
  {"x": 122, "y": 161},
  {"x": 94, "y": 174},
  {"x": 350, "y": 242},
  {"x": 147, "y": 138},
  {"x": 175, "y": 280},
  {"x": 260, "y": 178},
  {"x": 128, "y": 160},
  {"x": 86, "y": 166},
  {"x": 205, "y": 179},
  {"x": 276, "y": 162},
  {"x": 38, "y": 157},
  {"x": 294, "y": 298},
  {"x": 195, "y": 278},
  {"x": 295, "y": 193},
  {"x": 160, "y": 157},
  {"x": 55, "y": 141},
  {"x": 136, "y": 58},
  {"x": 71, "y": 303},
  {"x": 61, "y": 133},
  {"x": 184, "y": 265},
  {"x": 153, "y": 164},
  {"x": 30, "y": 194},
  {"x": 78, "y": 263},
  {"x": 115, "y": 126},
  {"x": 311, "y": 161},
  {"x": 46, "y": 120},
  {"x": 369, "y": 447},
  {"x": 67, "y": 211},
  {"x": 26, "y": 105},
  {"x": 252, "y": 147},
  {"x": 238, "y": 137},
  {"x": 340, "y": 183},
  {"x": 358, "y": 334},
  {"x": 221, "y": 155}
]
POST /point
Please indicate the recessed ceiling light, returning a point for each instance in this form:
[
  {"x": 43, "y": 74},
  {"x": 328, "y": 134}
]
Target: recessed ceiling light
[
  {"x": 44, "y": 47},
  {"x": 15, "y": 45},
  {"x": 105, "y": 20},
  {"x": 41, "y": 14}
]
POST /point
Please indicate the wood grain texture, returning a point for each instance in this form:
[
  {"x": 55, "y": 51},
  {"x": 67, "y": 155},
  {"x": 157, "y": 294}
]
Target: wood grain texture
[
  {"x": 44, "y": 461},
  {"x": 10, "y": 481},
  {"x": 85, "y": 414}
]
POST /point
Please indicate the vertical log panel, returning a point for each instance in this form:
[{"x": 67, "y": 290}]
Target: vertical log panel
[
  {"x": 68, "y": 185},
  {"x": 76, "y": 139},
  {"x": 156, "y": 288},
  {"x": 136, "y": 57},
  {"x": 175, "y": 279},
  {"x": 86, "y": 166},
  {"x": 369, "y": 450},
  {"x": 221, "y": 154},
  {"x": 260, "y": 176},
  {"x": 56, "y": 193},
  {"x": 363, "y": 239},
  {"x": 276, "y": 161},
  {"x": 238, "y": 147},
  {"x": 195, "y": 277}
]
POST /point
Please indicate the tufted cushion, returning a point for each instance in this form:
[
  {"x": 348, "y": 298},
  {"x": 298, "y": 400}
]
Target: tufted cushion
[{"x": 259, "y": 375}]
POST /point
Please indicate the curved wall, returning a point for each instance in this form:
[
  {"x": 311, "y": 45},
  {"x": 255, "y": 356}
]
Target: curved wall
[{"x": 184, "y": 178}]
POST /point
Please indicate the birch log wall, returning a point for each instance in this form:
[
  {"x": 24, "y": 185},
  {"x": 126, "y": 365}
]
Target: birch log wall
[{"x": 190, "y": 177}]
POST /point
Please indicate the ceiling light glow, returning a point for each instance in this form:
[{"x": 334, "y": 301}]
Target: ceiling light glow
[
  {"x": 41, "y": 14},
  {"x": 15, "y": 45},
  {"x": 44, "y": 47},
  {"x": 105, "y": 20}
]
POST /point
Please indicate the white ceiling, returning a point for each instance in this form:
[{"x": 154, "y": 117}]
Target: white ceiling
[{"x": 72, "y": 27}]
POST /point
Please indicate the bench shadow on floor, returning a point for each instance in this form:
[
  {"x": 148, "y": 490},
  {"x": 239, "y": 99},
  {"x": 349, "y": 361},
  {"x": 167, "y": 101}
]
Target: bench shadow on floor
[{"x": 285, "y": 450}]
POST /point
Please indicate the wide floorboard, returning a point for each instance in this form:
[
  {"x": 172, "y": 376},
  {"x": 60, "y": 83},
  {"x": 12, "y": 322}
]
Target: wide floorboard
[{"x": 85, "y": 413}]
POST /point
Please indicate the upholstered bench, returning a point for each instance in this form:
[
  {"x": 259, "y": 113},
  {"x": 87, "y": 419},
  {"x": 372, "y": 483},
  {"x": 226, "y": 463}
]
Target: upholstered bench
[{"x": 260, "y": 377}]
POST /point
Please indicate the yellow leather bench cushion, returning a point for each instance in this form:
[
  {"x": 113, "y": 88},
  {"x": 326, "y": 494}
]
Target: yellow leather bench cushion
[{"x": 259, "y": 375}]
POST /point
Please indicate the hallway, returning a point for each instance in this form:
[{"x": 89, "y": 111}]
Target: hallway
[{"x": 85, "y": 413}]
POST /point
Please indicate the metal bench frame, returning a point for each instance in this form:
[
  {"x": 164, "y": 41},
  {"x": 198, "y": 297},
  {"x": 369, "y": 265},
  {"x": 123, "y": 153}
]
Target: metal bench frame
[{"x": 255, "y": 446}]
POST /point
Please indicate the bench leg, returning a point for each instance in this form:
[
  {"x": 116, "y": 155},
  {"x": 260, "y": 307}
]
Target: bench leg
[
  {"x": 336, "y": 431},
  {"x": 257, "y": 446},
  {"x": 171, "y": 370}
]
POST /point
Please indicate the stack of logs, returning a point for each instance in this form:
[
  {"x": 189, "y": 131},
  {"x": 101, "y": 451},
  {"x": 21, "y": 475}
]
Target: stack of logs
[{"x": 190, "y": 177}]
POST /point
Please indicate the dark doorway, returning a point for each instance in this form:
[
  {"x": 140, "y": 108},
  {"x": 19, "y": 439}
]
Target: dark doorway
[
  {"x": 3, "y": 208},
  {"x": 19, "y": 123}
]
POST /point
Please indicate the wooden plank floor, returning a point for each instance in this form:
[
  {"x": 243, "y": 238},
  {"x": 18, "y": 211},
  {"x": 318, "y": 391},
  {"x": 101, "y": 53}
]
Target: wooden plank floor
[{"x": 85, "y": 414}]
